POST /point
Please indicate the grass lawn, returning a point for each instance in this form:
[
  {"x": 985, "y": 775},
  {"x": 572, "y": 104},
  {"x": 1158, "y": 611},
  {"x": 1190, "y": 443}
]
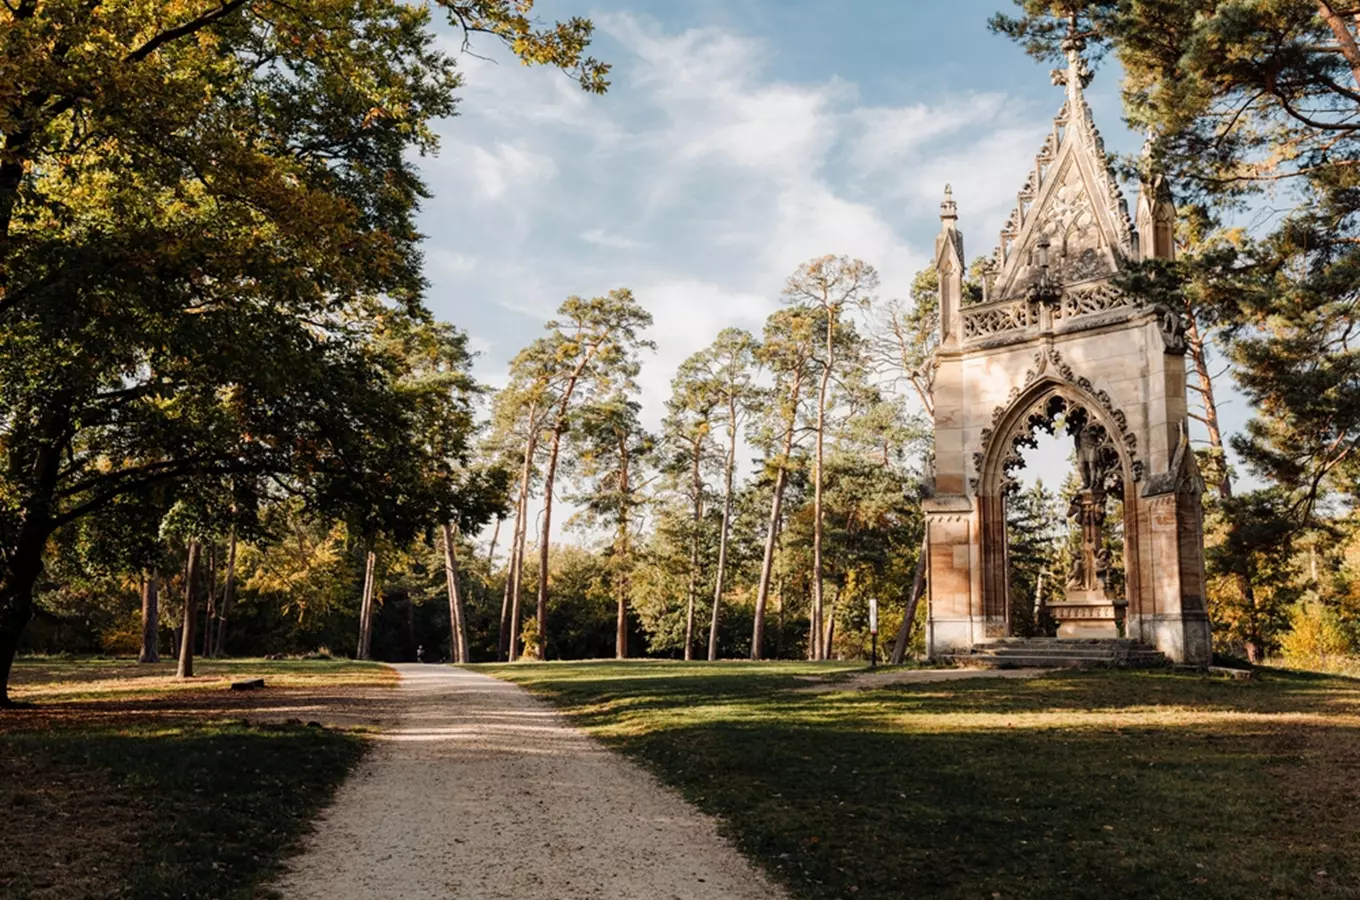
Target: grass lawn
[
  {"x": 119, "y": 781},
  {"x": 1080, "y": 785}
]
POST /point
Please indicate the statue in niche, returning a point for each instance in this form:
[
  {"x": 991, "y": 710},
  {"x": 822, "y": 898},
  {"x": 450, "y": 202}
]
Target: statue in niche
[
  {"x": 1091, "y": 567},
  {"x": 1090, "y": 469}
]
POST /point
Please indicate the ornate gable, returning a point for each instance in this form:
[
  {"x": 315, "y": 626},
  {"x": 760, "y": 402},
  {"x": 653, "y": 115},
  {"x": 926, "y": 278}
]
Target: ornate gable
[{"x": 1071, "y": 198}]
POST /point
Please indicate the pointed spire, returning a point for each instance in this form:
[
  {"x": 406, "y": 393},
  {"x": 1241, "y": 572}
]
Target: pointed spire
[
  {"x": 1155, "y": 216},
  {"x": 949, "y": 210},
  {"x": 949, "y": 236},
  {"x": 1074, "y": 135}
]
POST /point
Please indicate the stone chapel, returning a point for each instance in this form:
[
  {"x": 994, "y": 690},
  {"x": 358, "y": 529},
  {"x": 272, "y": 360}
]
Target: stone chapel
[{"x": 1054, "y": 345}]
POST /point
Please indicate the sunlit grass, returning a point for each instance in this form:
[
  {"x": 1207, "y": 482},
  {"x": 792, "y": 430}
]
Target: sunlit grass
[
  {"x": 1098, "y": 784},
  {"x": 73, "y": 679}
]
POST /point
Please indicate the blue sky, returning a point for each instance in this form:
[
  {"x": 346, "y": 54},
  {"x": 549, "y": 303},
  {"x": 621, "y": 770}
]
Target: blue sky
[{"x": 739, "y": 139}]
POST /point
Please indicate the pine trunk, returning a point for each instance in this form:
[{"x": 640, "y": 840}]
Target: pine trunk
[
  {"x": 517, "y": 587},
  {"x": 503, "y": 635},
  {"x": 697, "y": 486},
  {"x": 151, "y": 620},
  {"x": 366, "y": 608},
  {"x": 1345, "y": 40},
  {"x": 228, "y": 592},
  {"x": 772, "y": 532},
  {"x": 1195, "y": 341},
  {"x": 210, "y": 602},
  {"x": 190, "y": 612},
  {"x": 543, "y": 540},
  {"x": 720, "y": 581},
  {"x": 458, "y": 636},
  {"x": 819, "y": 649},
  {"x": 918, "y": 584},
  {"x": 516, "y": 573},
  {"x": 830, "y": 633},
  {"x": 621, "y": 555}
]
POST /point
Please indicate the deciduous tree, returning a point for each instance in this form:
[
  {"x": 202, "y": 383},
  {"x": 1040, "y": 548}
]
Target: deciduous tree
[{"x": 188, "y": 286}]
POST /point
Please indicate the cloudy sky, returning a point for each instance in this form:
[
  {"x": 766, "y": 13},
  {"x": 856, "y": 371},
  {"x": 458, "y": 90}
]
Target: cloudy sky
[{"x": 739, "y": 138}]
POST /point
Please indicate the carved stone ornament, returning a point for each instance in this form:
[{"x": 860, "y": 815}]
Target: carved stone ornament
[
  {"x": 1079, "y": 205},
  {"x": 1046, "y": 409},
  {"x": 1173, "y": 330}
]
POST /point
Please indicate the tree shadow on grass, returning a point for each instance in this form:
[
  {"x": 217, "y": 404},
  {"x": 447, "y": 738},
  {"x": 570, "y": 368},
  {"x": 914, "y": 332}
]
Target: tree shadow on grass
[
  {"x": 216, "y": 806},
  {"x": 1090, "y": 784},
  {"x": 1201, "y": 812}
]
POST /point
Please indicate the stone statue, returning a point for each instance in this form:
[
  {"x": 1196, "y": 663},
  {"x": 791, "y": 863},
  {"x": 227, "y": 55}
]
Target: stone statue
[
  {"x": 1088, "y": 509},
  {"x": 1089, "y": 466}
]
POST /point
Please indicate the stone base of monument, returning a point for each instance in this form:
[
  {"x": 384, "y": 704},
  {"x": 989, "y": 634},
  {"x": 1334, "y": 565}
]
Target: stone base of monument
[{"x": 1087, "y": 614}]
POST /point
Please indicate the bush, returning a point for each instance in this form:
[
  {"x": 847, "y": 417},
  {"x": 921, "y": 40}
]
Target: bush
[{"x": 1316, "y": 638}]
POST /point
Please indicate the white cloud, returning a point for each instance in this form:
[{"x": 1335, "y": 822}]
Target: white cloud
[
  {"x": 601, "y": 238},
  {"x": 506, "y": 167},
  {"x": 889, "y": 136},
  {"x": 701, "y": 181}
]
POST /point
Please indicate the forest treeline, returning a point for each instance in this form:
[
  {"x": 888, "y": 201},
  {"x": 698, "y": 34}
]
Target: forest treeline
[{"x": 224, "y": 405}]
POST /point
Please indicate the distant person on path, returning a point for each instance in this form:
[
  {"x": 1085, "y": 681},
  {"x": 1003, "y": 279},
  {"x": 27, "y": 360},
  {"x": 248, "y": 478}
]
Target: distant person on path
[{"x": 420, "y": 653}]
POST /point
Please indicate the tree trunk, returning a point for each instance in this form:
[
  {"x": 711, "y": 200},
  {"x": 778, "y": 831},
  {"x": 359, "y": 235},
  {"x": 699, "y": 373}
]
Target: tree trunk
[
  {"x": 776, "y": 513},
  {"x": 1344, "y": 39},
  {"x": 516, "y": 573},
  {"x": 210, "y": 602},
  {"x": 918, "y": 584},
  {"x": 720, "y": 581},
  {"x": 767, "y": 565},
  {"x": 517, "y": 588},
  {"x": 621, "y": 554},
  {"x": 697, "y": 486},
  {"x": 830, "y": 632},
  {"x": 228, "y": 590},
  {"x": 16, "y": 603},
  {"x": 544, "y": 536},
  {"x": 186, "y": 644},
  {"x": 779, "y": 605},
  {"x": 15, "y": 611},
  {"x": 503, "y": 636},
  {"x": 151, "y": 619},
  {"x": 366, "y": 608},
  {"x": 1195, "y": 341},
  {"x": 458, "y": 636},
  {"x": 491, "y": 553},
  {"x": 819, "y": 651}
]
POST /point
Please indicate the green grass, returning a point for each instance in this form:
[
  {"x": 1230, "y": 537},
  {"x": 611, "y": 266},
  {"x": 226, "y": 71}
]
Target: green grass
[
  {"x": 211, "y": 808},
  {"x": 49, "y": 679},
  {"x": 1107, "y": 785},
  {"x": 118, "y": 781}
]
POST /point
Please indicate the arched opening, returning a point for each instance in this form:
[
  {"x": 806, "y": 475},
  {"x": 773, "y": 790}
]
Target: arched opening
[{"x": 1086, "y": 591}]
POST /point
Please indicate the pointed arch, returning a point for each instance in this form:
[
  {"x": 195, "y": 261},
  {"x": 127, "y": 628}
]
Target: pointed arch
[{"x": 1051, "y": 393}]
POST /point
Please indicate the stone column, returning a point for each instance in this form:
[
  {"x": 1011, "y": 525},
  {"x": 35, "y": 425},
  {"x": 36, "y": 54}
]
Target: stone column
[{"x": 952, "y": 553}]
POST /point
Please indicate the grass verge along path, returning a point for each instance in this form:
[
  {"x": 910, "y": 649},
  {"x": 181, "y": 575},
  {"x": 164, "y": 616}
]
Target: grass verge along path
[
  {"x": 1071, "y": 785},
  {"x": 120, "y": 782}
]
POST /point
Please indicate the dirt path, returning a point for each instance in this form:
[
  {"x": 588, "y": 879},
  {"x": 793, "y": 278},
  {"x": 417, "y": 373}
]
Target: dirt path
[{"x": 481, "y": 791}]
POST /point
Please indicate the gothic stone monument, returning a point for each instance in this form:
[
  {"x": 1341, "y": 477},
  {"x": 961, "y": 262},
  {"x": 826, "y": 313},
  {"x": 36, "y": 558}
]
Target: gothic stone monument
[{"x": 1054, "y": 345}]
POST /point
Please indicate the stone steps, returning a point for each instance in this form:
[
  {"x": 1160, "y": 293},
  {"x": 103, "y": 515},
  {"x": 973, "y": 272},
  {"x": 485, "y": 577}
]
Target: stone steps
[{"x": 1047, "y": 653}]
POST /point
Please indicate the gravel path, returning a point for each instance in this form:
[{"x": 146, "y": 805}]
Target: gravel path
[{"x": 478, "y": 790}]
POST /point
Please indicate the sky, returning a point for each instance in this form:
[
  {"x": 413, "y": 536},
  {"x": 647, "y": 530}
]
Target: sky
[{"x": 739, "y": 138}]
